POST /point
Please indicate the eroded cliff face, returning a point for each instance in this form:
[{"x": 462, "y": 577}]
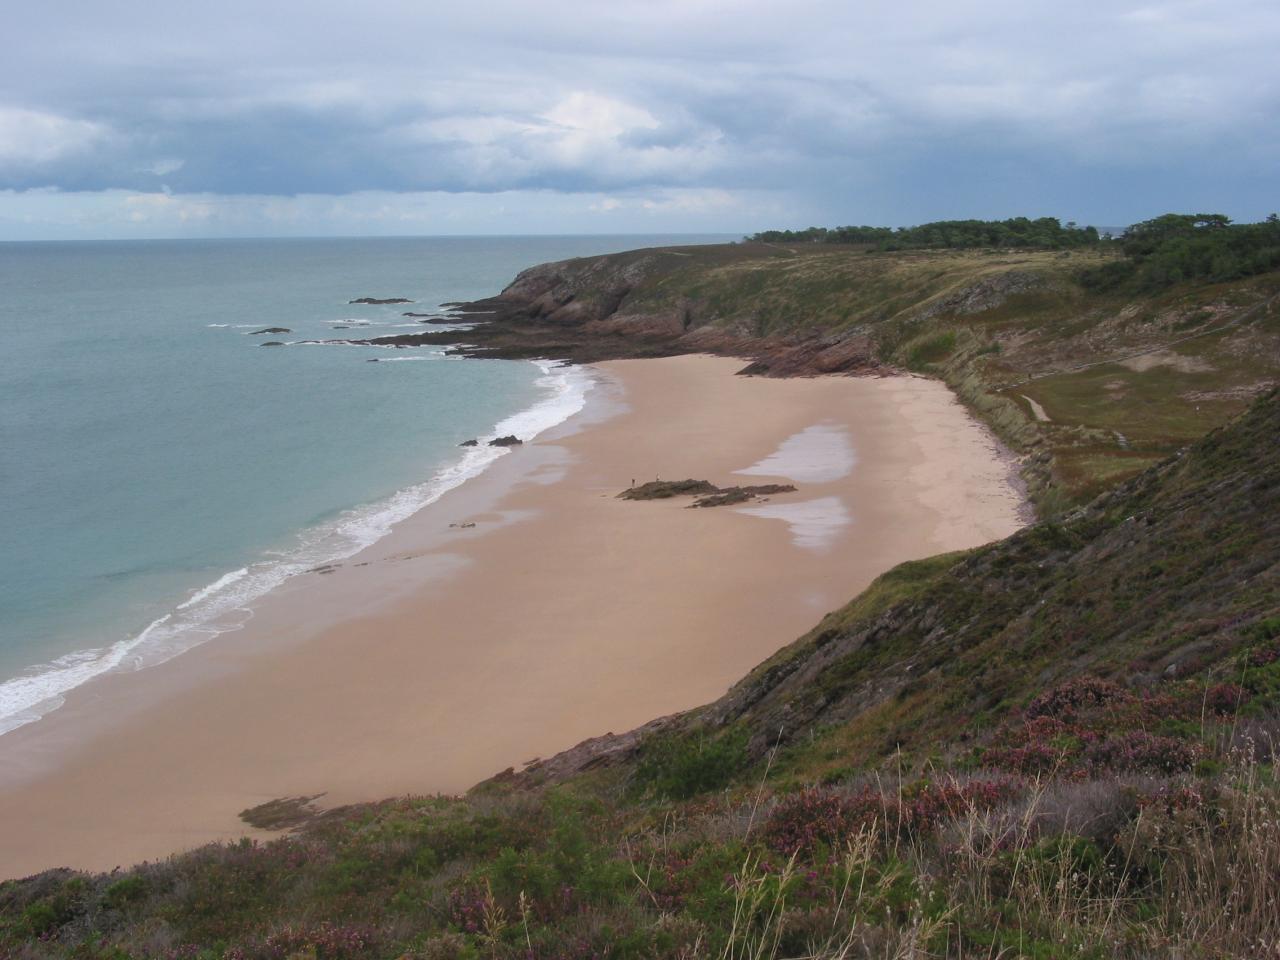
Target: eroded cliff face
[
  {"x": 640, "y": 304},
  {"x": 608, "y": 303},
  {"x": 701, "y": 299}
]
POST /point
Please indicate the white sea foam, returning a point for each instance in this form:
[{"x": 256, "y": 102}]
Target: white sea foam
[
  {"x": 224, "y": 604},
  {"x": 223, "y": 581},
  {"x": 817, "y": 454}
]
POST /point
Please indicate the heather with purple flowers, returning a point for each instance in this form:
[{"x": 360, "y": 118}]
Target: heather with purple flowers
[{"x": 1090, "y": 725}]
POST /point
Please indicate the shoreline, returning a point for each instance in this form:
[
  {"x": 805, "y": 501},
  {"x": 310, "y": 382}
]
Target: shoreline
[
  {"x": 215, "y": 609},
  {"x": 439, "y": 656}
]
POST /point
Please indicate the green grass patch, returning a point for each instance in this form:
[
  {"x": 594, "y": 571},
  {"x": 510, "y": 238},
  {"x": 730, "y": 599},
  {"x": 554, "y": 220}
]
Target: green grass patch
[{"x": 932, "y": 349}]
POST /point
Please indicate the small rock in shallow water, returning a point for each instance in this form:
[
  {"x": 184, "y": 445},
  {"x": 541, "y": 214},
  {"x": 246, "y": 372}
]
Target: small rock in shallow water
[
  {"x": 469, "y": 443},
  {"x": 508, "y": 441}
]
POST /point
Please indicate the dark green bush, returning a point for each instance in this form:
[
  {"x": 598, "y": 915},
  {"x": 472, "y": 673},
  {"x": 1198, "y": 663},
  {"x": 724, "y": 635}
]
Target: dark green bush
[{"x": 683, "y": 766}]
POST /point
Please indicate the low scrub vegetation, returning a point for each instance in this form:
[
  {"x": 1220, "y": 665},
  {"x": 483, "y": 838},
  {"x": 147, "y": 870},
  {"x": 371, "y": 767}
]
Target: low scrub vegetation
[{"x": 700, "y": 855}]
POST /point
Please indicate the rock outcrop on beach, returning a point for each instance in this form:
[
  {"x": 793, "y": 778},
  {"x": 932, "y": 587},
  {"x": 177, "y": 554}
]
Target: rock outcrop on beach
[
  {"x": 727, "y": 496},
  {"x": 707, "y": 493},
  {"x": 664, "y": 489}
]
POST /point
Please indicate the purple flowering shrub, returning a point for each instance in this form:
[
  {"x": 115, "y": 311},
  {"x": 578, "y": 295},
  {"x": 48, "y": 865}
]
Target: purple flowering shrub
[
  {"x": 811, "y": 819},
  {"x": 1088, "y": 726},
  {"x": 324, "y": 941}
]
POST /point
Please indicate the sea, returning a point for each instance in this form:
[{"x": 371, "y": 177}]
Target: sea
[{"x": 160, "y": 470}]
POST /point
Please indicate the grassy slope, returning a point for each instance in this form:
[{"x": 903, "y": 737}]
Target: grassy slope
[
  {"x": 1164, "y": 577},
  {"x": 985, "y": 754}
]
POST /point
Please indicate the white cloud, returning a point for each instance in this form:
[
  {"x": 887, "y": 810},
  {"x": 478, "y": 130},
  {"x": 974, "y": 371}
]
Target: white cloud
[
  {"x": 30, "y": 138},
  {"x": 164, "y": 166},
  {"x": 586, "y": 117},
  {"x": 582, "y": 133}
]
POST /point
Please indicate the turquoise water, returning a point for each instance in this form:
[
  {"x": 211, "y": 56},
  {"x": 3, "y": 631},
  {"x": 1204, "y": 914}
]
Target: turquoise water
[{"x": 159, "y": 469}]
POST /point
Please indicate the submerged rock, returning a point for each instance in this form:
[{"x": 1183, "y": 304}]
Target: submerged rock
[
  {"x": 379, "y": 300},
  {"x": 508, "y": 441},
  {"x": 254, "y": 333},
  {"x": 271, "y": 343}
]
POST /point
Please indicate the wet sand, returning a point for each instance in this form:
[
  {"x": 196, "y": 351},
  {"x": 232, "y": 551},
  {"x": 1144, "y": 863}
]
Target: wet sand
[{"x": 442, "y": 655}]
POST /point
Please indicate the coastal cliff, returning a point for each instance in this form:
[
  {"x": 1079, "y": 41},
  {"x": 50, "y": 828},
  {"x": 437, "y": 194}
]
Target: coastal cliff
[{"x": 1091, "y": 386}]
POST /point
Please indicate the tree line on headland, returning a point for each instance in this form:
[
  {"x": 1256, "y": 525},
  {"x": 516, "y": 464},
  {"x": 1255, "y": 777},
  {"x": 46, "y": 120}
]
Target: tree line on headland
[
  {"x": 1156, "y": 253},
  {"x": 1041, "y": 233}
]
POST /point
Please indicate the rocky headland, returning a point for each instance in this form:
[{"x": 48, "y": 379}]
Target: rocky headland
[{"x": 1063, "y": 371}]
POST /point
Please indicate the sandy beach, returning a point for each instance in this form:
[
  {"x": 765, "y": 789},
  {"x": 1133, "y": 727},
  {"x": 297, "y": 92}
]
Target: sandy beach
[{"x": 445, "y": 654}]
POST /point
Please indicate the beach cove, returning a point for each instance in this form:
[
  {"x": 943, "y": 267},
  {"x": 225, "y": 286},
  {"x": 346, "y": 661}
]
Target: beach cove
[{"x": 445, "y": 653}]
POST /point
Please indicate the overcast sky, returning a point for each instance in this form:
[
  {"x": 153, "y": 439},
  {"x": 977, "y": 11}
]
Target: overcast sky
[{"x": 124, "y": 118}]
